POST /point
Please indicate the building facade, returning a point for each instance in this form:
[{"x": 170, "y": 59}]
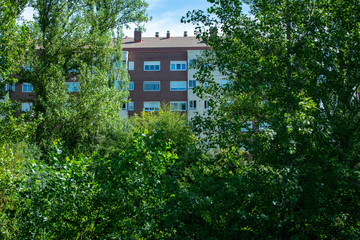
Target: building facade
[
  {"x": 159, "y": 71},
  {"x": 159, "y": 74}
]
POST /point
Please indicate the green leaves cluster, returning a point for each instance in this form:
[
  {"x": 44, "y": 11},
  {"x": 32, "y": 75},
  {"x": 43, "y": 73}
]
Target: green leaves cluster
[
  {"x": 14, "y": 41},
  {"x": 114, "y": 198},
  {"x": 293, "y": 72},
  {"x": 78, "y": 41},
  {"x": 292, "y": 67}
]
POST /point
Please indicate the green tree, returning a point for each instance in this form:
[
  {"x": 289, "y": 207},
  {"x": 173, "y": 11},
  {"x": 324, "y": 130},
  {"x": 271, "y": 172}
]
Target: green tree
[
  {"x": 79, "y": 41},
  {"x": 14, "y": 40},
  {"x": 174, "y": 127},
  {"x": 293, "y": 72},
  {"x": 121, "y": 196}
]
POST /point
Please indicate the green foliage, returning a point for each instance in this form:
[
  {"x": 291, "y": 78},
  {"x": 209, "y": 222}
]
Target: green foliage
[
  {"x": 16, "y": 151},
  {"x": 78, "y": 41},
  {"x": 14, "y": 41},
  {"x": 293, "y": 72},
  {"x": 95, "y": 197},
  {"x": 14, "y": 161},
  {"x": 173, "y": 126},
  {"x": 292, "y": 68},
  {"x": 14, "y": 127}
]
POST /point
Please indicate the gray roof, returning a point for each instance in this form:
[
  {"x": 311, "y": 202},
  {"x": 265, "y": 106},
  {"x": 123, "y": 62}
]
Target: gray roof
[{"x": 163, "y": 42}]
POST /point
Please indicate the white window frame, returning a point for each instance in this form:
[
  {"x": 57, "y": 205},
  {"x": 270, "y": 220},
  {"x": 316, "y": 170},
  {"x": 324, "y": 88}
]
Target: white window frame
[
  {"x": 151, "y": 82},
  {"x": 26, "y": 106},
  {"x": 192, "y": 105},
  {"x": 175, "y": 106},
  {"x": 192, "y": 84},
  {"x": 151, "y": 63},
  {"x": 130, "y": 106},
  {"x": 175, "y": 86},
  {"x": 26, "y": 86},
  {"x": 151, "y": 106},
  {"x": 72, "y": 86},
  {"x": 178, "y": 66},
  {"x": 131, "y": 65}
]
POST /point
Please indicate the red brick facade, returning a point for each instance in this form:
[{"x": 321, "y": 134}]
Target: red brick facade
[
  {"x": 164, "y": 76},
  {"x": 163, "y": 50}
]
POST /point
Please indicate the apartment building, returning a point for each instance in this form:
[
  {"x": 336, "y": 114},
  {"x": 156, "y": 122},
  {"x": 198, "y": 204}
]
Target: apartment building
[
  {"x": 196, "y": 105},
  {"x": 159, "y": 74},
  {"x": 158, "y": 69}
]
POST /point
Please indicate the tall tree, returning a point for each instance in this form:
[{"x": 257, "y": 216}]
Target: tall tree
[
  {"x": 79, "y": 41},
  {"x": 293, "y": 67},
  {"x": 14, "y": 40}
]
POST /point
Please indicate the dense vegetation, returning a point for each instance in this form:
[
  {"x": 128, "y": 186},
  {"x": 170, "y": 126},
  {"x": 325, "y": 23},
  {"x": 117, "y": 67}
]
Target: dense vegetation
[{"x": 72, "y": 169}]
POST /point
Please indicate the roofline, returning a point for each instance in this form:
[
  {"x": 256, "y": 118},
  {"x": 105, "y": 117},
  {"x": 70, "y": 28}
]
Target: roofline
[{"x": 163, "y": 49}]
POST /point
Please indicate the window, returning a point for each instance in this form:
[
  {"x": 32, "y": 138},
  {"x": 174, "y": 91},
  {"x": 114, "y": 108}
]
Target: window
[
  {"x": 124, "y": 106},
  {"x": 131, "y": 106},
  {"x": 247, "y": 126},
  {"x": 263, "y": 126},
  {"x": 73, "y": 70},
  {"x": 192, "y": 105},
  {"x": 223, "y": 83},
  {"x": 124, "y": 64},
  {"x": 131, "y": 65},
  {"x": 178, "y": 106},
  {"x": 152, "y": 66},
  {"x": 151, "y": 106},
  {"x": 192, "y": 84},
  {"x": 178, "y": 86},
  {"x": 131, "y": 85},
  {"x": 27, "y": 68},
  {"x": 72, "y": 86},
  {"x": 192, "y": 62},
  {"x": 206, "y": 104},
  {"x": 9, "y": 87},
  {"x": 178, "y": 66},
  {"x": 118, "y": 85},
  {"x": 26, "y": 107},
  {"x": 151, "y": 86},
  {"x": 122, "y": 85},
  {"x": 27, "y": 87}
]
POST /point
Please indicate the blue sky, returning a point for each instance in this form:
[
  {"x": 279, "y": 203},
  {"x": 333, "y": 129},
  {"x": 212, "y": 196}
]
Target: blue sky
[{"x": 166, "y": 15}]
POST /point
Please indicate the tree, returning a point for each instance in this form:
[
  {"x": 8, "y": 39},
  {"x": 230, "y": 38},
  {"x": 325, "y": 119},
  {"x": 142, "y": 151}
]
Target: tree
[
  {"x": 292, "y": 67},
  {"x": 79, "y": 41},
  {"x": 132, "y": 193},
  {"x": 173, "y": 126},
  {"x": 14, "y": 40},
  {"x": 121, "y": 196}
]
